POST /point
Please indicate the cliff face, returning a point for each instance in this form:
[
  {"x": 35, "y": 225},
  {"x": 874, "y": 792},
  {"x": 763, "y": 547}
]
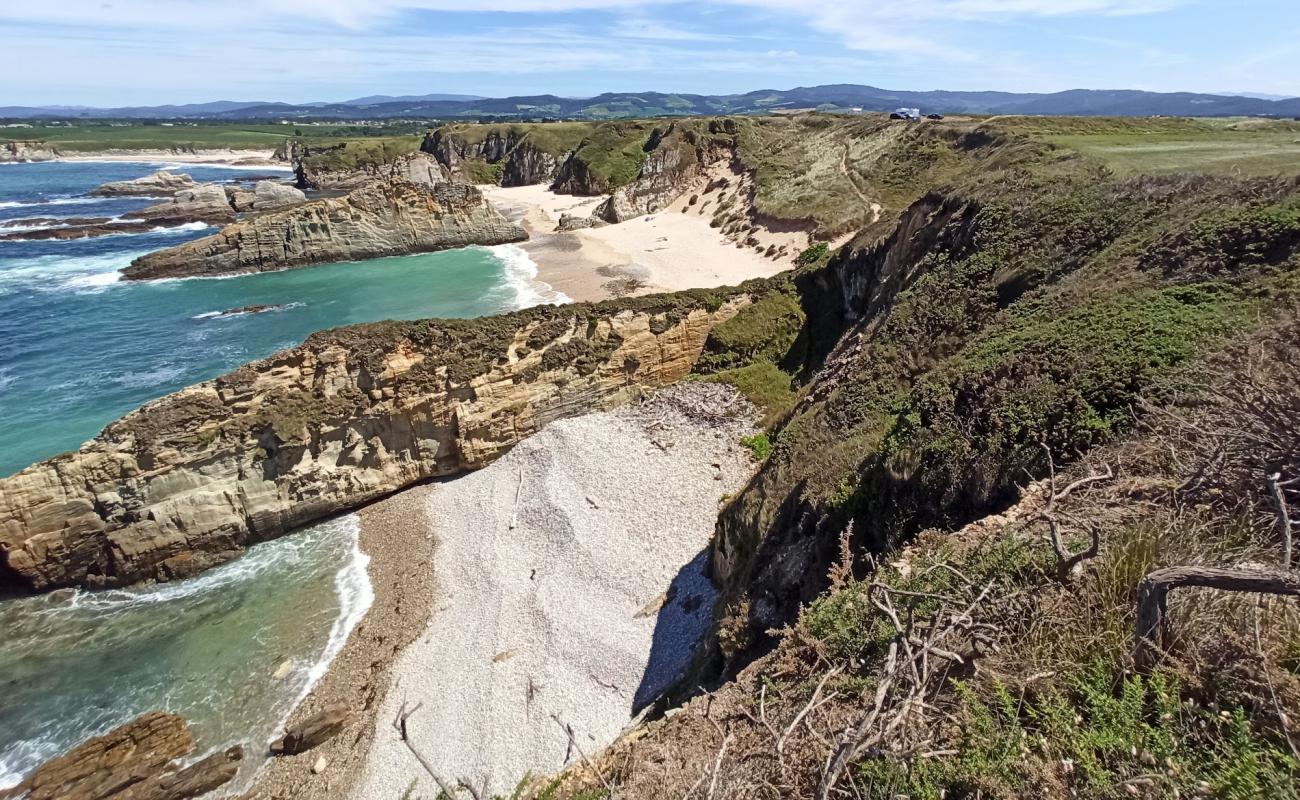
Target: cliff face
[
  {"x": 343, "y": 167},
  {"x": 351, "y": 415},
  {"x": 519, "y": 160},
  {"x": 383, "y": 218},
  {"x": 27, "y": 151}
]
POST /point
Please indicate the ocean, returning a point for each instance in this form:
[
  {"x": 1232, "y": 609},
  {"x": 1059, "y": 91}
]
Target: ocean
[
  {"x": 232, "y": 650},
  {"x": 80, "y": 348}
]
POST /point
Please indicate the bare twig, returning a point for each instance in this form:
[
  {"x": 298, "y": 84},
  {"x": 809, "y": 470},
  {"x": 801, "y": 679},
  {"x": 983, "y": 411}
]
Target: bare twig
[
  {"x": 1275, "y": 484},
  {"x": 573, "y": 742}
]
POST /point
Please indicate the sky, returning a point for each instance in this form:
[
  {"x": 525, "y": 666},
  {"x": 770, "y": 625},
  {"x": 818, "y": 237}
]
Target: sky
[{"x": 145, "y": 52}]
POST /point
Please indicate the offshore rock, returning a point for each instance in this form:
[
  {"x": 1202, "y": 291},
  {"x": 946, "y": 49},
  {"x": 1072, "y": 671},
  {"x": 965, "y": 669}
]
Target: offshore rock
[
  {"x": 384, "y": 218},
  {"x": 159, "y": 184},
  {"x": 274, "y": 195},
  {"x": 329, "y": 170},
  {"x": 206, "y": 202},
  {"x": 188, "y": 481}
]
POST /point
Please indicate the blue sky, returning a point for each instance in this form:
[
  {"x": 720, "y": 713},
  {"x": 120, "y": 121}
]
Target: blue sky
[{"x": 122, "y": 52}]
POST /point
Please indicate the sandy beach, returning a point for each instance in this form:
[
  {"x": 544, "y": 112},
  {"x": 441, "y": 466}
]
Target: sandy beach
[
  {"x": 668, "y": 251},
  {"x": 230, "y": 158}
]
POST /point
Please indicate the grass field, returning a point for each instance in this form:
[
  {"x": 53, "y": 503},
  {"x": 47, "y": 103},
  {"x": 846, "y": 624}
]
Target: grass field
[
  {"x": 92, "y": 137},
  {"x": 1231, "y": 146}
]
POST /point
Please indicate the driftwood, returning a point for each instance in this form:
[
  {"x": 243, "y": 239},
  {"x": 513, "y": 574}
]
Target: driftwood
[
  {"x": 1153, "y": 595},
  {"x": 1275, "y": 488}
]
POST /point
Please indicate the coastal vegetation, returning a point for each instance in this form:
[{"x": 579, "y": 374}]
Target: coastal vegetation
[{"x": 1051, "y": 357}]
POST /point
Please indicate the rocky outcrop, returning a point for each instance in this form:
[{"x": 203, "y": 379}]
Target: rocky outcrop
[
  {"x": 158, "y": 184},
  {"x": 45, "y": 228},
  {"x": 11, "y": 152},
  {"x": 333, "y": 169},
  {"x": 312, "y": 732},
  {"x": 135, "y": 761},
  {"x": 522, "y": 162},
  {"x": 273, "y": 195},
  {"x": 206, "y": 202},
  {"x": 673, "y": 164},
  {"x": 384, "y": 218},
  {"x": 351, "y": 415},
  {"x": 569, "y": 222}
]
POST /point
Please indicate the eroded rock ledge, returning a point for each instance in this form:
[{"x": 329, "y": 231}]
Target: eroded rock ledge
[
  {"x": 351, "y": 415},
  {"x": 383, "y": 218}
]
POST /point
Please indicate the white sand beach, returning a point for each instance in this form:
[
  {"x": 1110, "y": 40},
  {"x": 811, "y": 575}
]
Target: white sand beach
[
  {"x": 569, "y": 591},
  {"x": 236, "y": 158},
  {"x": 667, "y": 251}
]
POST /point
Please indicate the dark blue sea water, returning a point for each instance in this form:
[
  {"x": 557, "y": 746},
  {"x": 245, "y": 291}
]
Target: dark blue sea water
[{"x": 79, "y": 347}]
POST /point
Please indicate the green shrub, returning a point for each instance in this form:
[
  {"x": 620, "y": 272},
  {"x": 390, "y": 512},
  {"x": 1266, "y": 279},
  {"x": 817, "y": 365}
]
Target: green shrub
[
  {"x": 759, "y": 445},
  {"x": 764, "y": 384},
  {"x": 813, "y": 254}
]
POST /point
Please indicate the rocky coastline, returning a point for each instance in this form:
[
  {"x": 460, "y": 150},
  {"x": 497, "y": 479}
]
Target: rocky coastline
[
  {"x": 382, "y": 218},
  {"x": 353, "y": 414}
]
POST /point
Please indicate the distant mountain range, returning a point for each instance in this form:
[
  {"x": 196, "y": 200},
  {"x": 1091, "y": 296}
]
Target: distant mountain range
[{"x": 649, "y": 104}]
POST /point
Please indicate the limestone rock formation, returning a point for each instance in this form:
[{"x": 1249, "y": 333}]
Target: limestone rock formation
[
  {"x": 351, "y": 415},
  {"x": 162, "y": 183},
  {"x": 569, "y": 222},
  {"x": 313, "y": 731},
  {"x": 274, "y": 195},
  {"x": 333, "y": 170},
  {"x": 13, "y": 152},
  {"x": 522, "y": 162},
  {"x": 383, "y": 218},
  {"x": 206, "y": 202},
  {"x": 241, "y": 199},
  {"x": 134, "y": 761}
]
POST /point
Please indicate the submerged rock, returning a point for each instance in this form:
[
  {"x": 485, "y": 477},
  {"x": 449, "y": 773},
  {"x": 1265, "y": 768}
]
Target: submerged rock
[
  {"x": 384, "y": 218},
  {"x": 80, "y": 228},
  {"x": 134, "y": 761},
  {"x": 162, "y": 183}
]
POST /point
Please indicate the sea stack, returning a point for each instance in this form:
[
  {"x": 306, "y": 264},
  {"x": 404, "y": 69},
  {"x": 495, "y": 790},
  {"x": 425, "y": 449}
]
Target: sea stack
[{"x": 383, "y": 218}]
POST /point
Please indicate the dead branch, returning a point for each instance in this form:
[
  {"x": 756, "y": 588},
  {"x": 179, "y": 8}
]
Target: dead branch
[
  {"x": 717, "y": 765},
  {"x": 573, "y": 743},
  {"x": 1066, "y": 561},
  {"x": 812, "y": 703},
  {"x": 1151, "y": 632},
  {"x": 399, "y": 724},
  {"x": 1275, "y": 484}
]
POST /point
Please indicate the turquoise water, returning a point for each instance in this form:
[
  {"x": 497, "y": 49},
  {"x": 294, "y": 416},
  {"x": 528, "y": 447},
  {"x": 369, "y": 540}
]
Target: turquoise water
[
  {"x": 232, "y": 650},
  {"x": 79, "y": 347}
]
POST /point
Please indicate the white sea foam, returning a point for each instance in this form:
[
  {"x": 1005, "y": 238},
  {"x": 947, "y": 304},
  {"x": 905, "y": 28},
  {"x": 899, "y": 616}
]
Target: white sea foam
[
  {"x": 521, "y": 278},
  {"x": 356, "y": 594}
]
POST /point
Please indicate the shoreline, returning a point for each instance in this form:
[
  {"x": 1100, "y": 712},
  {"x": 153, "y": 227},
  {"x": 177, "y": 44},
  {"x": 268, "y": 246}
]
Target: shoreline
[
  {"x": 401, "y": 576},
  {"x": 667, "y": 251},
  {"x": 259, "y": 159}
]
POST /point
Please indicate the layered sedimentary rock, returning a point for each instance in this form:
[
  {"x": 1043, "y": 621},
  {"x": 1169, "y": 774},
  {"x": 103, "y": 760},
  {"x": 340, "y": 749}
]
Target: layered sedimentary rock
[
  {"x": 674, "y": 162},
  {"x": 134, "y": 761},
  {"x": 522, "y": 162},
  {"x": 158, "y": 184},
  {"x": 27, "y": 151},
  {"x": 188, "y": 481},
  {"x": 334, "y": 169},
  {"x": 383, "y": 218},
  {"x": 206, "y": 202},
  {"x": 274, "y": 195}
]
